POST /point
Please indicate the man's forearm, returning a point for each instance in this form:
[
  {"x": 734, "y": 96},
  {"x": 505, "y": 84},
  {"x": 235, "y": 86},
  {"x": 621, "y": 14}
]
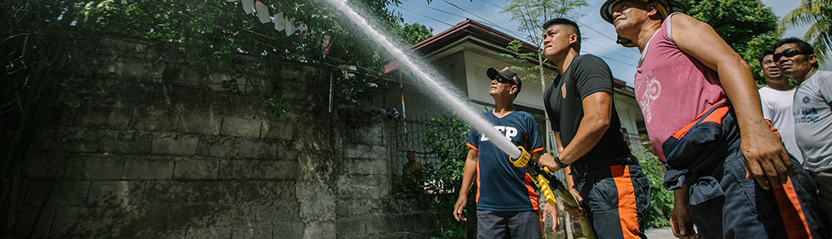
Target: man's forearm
[
  {"x": 738, "y": 83},
  {"x": 681, "y": 195},
  {"x": 468, "y": 174}
]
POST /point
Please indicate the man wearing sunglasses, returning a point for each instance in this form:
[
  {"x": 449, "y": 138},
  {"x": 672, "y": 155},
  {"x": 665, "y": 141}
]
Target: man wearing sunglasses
[
  {"x": 812, "y": 115},
  {"x": 507, "y": 204},
  {"x": 777, "y": 98},
  {"x": 730, "y": 174}
]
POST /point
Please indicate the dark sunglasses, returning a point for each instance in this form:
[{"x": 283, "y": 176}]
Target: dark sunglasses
[
  {"x": 504, "y": 81},
  {"x": 787, "y": 53}
]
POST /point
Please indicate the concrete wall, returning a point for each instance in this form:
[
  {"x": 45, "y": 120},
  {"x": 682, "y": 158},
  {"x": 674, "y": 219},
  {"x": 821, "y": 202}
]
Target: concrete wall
[{"x": 145, "y": 147}]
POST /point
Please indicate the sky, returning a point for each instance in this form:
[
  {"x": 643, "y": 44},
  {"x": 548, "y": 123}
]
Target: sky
[{"x": 598, "y": 34}]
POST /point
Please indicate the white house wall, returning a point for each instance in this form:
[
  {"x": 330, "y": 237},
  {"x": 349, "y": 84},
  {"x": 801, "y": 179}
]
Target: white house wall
[{"x": 463, "y": 64}]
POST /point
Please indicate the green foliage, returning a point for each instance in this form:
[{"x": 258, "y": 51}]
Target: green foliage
[
  {"x": 520, "y": 58},
  {"x": 818, "y": 15},
  {"x": 751, "y": 54},
  {"x": 447, "y": 140},
  {"x": 217, "y": 34},
  {"x": 747, "y": 26},
  {"x": 532, "y": 14},
  {"x": 661, "y": 200},
  {"x": 280, "y": 106},
  {"x": 414, "y": 33}
]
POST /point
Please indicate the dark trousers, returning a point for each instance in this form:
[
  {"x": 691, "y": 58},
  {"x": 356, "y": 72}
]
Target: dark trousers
[
  {"x": 725, "y": 204},
  {"x": 745, "y": 210},
  {"x": 507, "y": 225},
  {"x": 617, "y": 199}
]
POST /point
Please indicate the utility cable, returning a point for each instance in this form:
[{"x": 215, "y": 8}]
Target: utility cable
[{"x": 426, "y": 16}]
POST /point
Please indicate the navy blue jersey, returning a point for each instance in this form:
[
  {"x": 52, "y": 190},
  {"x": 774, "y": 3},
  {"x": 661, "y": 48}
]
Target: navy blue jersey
[{"x": 500, "y": 185}]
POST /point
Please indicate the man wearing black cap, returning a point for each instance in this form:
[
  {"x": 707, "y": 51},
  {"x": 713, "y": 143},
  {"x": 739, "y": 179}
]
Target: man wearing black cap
[
  {"x": 605, "y": 177},
  {"x": 507, "y": 204},
  {"x": 730, "y": 174}
]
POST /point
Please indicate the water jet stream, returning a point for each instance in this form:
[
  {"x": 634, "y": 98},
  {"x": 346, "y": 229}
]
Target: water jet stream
[{"x": 430, "y": 80}]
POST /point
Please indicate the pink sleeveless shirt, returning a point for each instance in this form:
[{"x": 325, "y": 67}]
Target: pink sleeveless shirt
[{"x": 672, "y": 87}]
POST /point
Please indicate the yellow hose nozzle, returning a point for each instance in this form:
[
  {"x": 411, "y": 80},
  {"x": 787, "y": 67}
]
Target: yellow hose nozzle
[
  {"x": 523, "y": 160},
  {"x": 547, "y": 192}
]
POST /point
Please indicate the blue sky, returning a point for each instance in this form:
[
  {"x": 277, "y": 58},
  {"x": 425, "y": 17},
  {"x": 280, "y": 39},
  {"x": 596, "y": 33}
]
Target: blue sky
[{"x": 598, "y": 34}]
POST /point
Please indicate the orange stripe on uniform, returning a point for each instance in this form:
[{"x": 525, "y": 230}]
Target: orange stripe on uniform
[
  {"x": 533, "y": 198},
  {"x": 715, "y": 117},
  {"x": 477, "y": 199},
  {"x": 472, "y": 147},
  {"x": 790, "y": 210},
  {"x": 627, "y": 214},
  {"x": 542, "y": 227},
  {"x": 536, "y": 150}
]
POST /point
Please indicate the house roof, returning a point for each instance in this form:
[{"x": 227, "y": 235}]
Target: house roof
[
  {"x": 471, "y": 28},
  {"x": 467, "y": 28}
]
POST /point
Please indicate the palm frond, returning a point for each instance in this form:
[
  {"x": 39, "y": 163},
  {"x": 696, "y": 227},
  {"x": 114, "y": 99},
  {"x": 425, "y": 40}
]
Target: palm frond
[{"x": 799, "y": 16}]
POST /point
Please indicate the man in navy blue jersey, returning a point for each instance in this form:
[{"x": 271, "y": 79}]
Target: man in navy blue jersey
[{"x": 507, "y": 204}]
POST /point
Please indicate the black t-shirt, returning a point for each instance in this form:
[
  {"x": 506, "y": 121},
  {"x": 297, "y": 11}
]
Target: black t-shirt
[{"x": 587, "y": 74}]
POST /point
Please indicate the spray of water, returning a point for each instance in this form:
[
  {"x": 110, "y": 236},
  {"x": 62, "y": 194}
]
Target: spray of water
[{"x": 420, "y": 70}]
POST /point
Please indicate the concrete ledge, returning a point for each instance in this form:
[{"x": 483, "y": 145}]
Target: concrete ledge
[
  {"x": 184, "y": 145},
  {"x": 258, "y": 149},
  {"x": 241, "y": 127},
  {"x": 116, "y": 193},
  {"x": 196, "y": 169},
  {"x": 148, "y": 168},
  {"x": 95, "y": 167}
]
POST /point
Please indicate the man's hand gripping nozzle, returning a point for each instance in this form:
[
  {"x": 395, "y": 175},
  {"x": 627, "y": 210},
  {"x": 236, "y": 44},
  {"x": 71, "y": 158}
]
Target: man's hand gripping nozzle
[
  {"x": 538, "y": 174},
  {"x": 549, "y": 185}
]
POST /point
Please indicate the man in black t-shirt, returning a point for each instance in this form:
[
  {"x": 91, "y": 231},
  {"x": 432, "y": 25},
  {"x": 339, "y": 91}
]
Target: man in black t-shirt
[{"x": 605, "y": 177}]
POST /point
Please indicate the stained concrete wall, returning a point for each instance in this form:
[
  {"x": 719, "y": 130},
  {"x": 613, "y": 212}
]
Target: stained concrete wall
[{"x": 145, "y": 147}]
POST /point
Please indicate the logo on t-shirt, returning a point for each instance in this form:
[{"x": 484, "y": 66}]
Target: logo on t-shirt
[
  {"x": 509, "y": 132},
  {"x": 563, "y": 90},
  {"x": 806, "y": 100},
  {"x": 650, "y": 89}
]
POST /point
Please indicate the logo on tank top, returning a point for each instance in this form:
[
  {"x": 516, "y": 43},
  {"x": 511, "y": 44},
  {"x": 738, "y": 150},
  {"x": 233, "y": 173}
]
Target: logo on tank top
[
  {"x": 806, "y": 100},
  {"x": 650, "y": 89},
  {"x": 563, "y": 90}
]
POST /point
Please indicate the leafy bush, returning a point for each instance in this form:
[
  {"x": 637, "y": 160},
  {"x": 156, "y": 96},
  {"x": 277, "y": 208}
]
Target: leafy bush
[
  {"x": 447, "y": 139},
  {"x": 661, "y": 200}
]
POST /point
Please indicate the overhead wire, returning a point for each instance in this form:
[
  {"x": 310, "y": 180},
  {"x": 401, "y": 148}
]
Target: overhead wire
[
  {"x": 492, "y": 4},
  {"x": 481, "y": 18},
  {"x": 515, "y": 33},
  {"x": 426, "y": 16},
  {"x": 605, "y": 36}
]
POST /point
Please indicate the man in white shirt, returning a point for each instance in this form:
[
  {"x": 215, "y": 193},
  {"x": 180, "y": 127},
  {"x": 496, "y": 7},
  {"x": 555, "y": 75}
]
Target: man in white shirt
[{"x": 777, "y": 98}]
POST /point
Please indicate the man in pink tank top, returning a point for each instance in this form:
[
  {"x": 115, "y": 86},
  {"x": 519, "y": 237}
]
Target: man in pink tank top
[{"x": 728, "y": 170}]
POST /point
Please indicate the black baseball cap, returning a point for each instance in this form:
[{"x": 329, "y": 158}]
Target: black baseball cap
[{"x": 507, "y": 74}]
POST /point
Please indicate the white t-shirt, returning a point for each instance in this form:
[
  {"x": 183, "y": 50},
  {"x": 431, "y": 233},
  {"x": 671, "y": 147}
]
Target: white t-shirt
[
  {"x": 813, "y": 121},
  {"x": 777, "y": 108}
]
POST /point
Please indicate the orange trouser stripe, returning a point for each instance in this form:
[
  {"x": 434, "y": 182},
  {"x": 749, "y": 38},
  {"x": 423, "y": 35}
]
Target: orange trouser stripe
[
  {"x": 791, "y": 212},
  {"x": 627, "y": 214}
]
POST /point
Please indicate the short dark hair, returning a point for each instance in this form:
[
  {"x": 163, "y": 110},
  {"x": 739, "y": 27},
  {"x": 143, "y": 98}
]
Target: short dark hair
[
  {"x": 564, "y": 21},
  {"x": 765, "y": 53},
  {"x": 802, "y": 45}
]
